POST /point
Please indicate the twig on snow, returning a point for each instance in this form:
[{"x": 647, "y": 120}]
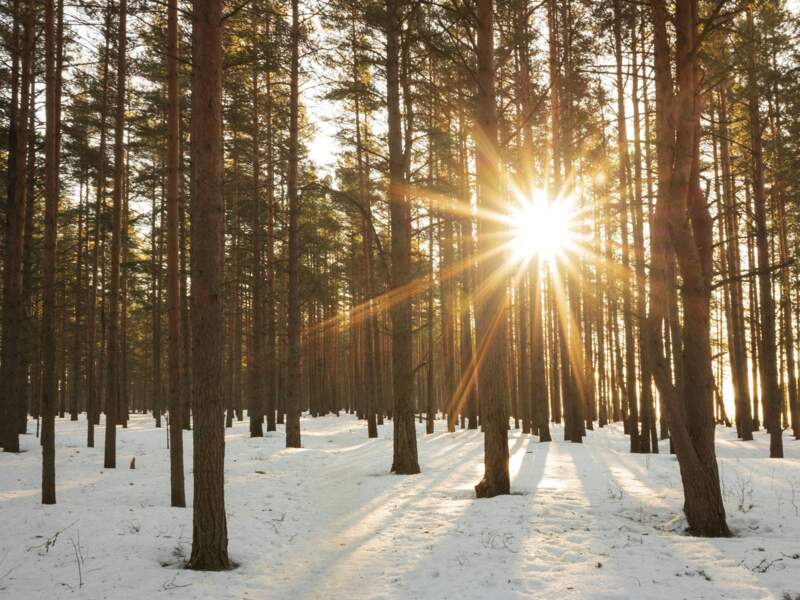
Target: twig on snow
[{"x": 51, "y": 541}]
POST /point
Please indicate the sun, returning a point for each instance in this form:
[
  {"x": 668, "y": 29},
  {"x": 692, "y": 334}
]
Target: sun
[{"x": 542, "y": 228}]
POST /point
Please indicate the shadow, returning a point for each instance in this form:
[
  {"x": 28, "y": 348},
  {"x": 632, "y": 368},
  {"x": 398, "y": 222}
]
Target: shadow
[{"x": 636, "y": 504}]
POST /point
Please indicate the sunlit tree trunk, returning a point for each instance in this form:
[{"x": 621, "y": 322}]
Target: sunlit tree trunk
[{"x": 682, "y": 225}]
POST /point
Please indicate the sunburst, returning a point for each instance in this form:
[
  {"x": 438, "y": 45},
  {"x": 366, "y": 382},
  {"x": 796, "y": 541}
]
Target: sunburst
[{"x": 542, "y": 227}]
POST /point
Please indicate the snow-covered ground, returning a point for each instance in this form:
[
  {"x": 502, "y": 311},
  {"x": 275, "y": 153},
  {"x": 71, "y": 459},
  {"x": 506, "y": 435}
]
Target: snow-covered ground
[{"x": 329, "y": 521}]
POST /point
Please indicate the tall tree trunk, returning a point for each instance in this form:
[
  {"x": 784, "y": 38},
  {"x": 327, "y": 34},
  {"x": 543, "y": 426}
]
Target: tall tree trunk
[
  {"x": 369, "y": 364},
  {"x": 177, "y": 492},
  {"x": 293, "y": 408},
  {"x": 632, "y": 424},
  {"x": 648, "y": 441},
  {"x": 48, "y": 289},
  {"x": 14, "y": 408},
  {"x": 271, "y": 376},
  {"x": 682, "y": 225},
  {"x": 430, "y": 392},
  {"x": 788, "y": 321},
  {"x": 404, "y": 460},
  {"x": 468, "y": 389},
  {"x": 156, "y": 235},
  {"x": 76, "y": 378},
  {"x": 256, "y": 368},
  {"x": 744, "y": 416},
  {"x": 447, "y": 264},
  {"x": 209, "y": 527},
  {"x": 124, "y": 304},
  {"x": 93, "y": 401},
  {"x": 30, "y": 359},
  {"x": 61, "y": 310},
  {"x": 234, "y": 368},
  {"x": 491, "y": 320},
  {"x": 112, "y": 397},
  {"x": 771, "y": 396},
  {"x": 541, "y": 416}
]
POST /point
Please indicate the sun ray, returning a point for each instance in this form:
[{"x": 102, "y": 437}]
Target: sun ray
[{"x": 542, "y": 226}]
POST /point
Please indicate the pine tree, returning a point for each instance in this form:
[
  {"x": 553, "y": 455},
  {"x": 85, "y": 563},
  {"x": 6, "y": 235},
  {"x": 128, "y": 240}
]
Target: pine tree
[{"x": 209, "y": 528}]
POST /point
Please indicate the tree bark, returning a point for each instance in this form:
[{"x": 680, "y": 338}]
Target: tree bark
[
  {"x": 177, "y": 492},
  {"x": 256, "y": 367},
  {"x": 209, "y": 526},
  {"x": 293, "y": 408},
  {"x": 49, "y": 384},
  {"x": 271, "y": 376},
  {"x": 682, "y": 225},
  {"x": 11, "y": 376},
  {"x": 404, "y": 461},
  {"x": 770, "y": 395},
  {"x": 76, "y": 376},
  {"x": 491, "y": 320},
  {"x": 112, "y": 395},
  {"x": 93, "y": 402},
  {"x": 744, "y": 415},
  {"x": 632, "y": 423}
]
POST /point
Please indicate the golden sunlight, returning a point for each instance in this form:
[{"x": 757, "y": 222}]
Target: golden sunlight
[{"x": 542, "y": 227}]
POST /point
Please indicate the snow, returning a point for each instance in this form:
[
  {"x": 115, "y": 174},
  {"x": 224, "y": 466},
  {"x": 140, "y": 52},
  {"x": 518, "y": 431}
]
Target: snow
[{"x": 328, "y": 521}]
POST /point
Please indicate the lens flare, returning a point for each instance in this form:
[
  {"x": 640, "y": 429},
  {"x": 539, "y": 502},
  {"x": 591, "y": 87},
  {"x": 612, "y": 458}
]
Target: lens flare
[{"x": 542, "y": 228}]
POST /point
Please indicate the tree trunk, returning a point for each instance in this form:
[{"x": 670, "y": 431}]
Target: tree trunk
[
  {"x": 405, "y": 461},
  {"x": 209, "y": 527},
  {"x": 48, "y": 289},
  {"x": 76, "y": 378},
  {"x": 541, "y": 416},
  {"x": 492, "y": 311},
  {"x": 293, "y": 407},
  {"x": 271, "y": 376},
  {"x": 256, "y": 367},
  {"x": 744, "y": 416},
  {"x": 93, "y": 401},
  {"x": 177, "y": 493},
  {"x": 682, "y": 225},
  {"x": 156, "y": 235},
  {"x": 771, "y": 396},
  {"x": 14, "y": 409},
  {"x": 632, "y": 424},
  {"x": 112, "y": 395}
]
